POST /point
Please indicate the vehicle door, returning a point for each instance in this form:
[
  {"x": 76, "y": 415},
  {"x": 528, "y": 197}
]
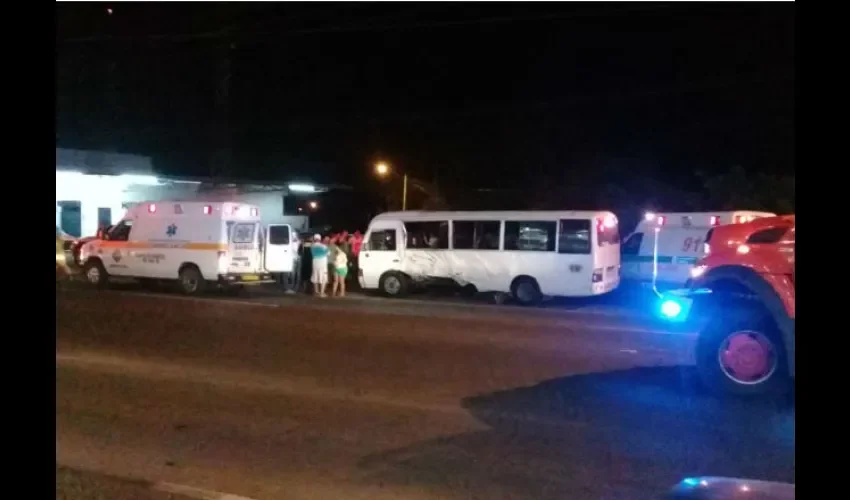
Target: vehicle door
[
  {"x": 279, "y": 253},
  {"x": 116, "y": 251},
  {"x": 383, "y": 250},
  {"x": 243, "y": 247}
]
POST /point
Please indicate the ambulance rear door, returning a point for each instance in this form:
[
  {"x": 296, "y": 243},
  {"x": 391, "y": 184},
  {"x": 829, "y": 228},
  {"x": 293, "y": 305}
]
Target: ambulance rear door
[
  {"x": 243, "y": 247},
  {"x": 280, "y": 248}
]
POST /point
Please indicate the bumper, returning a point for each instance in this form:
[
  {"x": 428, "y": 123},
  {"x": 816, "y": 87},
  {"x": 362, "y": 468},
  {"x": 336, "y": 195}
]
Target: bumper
[{"x": 245, "y": 278}]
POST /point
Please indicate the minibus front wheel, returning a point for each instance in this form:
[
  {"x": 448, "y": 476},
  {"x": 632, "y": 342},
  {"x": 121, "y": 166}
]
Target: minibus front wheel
[{"x": 394, "y": 284}]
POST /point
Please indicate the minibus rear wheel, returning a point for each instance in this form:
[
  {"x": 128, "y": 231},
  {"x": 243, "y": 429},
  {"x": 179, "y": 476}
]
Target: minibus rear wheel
[{"x": 526, "y": 291}]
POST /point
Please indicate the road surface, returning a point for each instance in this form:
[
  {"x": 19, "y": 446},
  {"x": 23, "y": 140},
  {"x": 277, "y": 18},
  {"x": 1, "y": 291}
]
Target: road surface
[{"x": 290, "y": 398}]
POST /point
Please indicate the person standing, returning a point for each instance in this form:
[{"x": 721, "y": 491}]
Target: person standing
[
  {"x": 340, "y": 271},
  {"x": 356, "y": 243},
  {"x": 292, "y": 282},
  {"x": 319, "y": 252},
  {"x": 306, "y": 266}
]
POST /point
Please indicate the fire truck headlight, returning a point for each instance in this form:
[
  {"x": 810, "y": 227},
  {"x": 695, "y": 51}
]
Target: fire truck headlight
[{"x": 698, "y": 271}]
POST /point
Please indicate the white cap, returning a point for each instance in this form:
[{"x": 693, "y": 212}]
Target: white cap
[{"x": 317, "y": 236}]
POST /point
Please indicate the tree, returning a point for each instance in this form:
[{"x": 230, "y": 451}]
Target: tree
[{"x": 736, "y": 189}]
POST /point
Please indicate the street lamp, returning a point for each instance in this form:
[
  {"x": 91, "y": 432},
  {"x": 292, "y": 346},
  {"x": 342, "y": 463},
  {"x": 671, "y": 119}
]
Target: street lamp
[
  {"x": 314, "y": 205},
  {"x": 383, "y": 170}
]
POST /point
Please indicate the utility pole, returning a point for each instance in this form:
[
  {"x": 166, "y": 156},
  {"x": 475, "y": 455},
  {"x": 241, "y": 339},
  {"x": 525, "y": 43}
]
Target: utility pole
[
  {"x": 113, "y": 118},
  {"x": 112, "y": 108},
  {"x": 221, "y": 134}
]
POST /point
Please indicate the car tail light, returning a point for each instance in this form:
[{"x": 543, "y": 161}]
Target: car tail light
[
  {"x": 597, "y": 276},
  {"x": 715, "y": 220}
]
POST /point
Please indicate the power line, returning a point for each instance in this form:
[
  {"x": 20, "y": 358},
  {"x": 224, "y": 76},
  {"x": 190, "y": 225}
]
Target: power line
[{"x": 537, "y": 106}]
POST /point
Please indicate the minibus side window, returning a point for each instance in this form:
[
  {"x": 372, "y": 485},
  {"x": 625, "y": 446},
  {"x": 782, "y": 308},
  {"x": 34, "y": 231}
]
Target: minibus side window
[
  {"x": 427, "y": 235},
  {"x": 574, "y": 236},
  {"x": 382, "y": 240},
  {"x": 475, "y": 235},
  {"x": 534, "y": 236}
]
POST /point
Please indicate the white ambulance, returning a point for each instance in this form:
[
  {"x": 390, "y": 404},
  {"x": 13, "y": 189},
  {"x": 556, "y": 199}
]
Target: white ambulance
[
  {"x": 192, "y": 242},
  {"x": 681, "y": 241}
]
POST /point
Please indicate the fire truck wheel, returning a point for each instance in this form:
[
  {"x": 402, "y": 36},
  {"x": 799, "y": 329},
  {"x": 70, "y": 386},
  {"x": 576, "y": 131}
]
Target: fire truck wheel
[{"x": 741, "y": 353}]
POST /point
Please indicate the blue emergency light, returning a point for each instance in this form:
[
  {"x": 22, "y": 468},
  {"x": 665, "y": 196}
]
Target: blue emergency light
[
  {"x": 675, "y": 305},
  {"x": 671, "y": 308}
]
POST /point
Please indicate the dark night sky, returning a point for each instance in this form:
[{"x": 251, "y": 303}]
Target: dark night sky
[{"x": 477, "y": 95}]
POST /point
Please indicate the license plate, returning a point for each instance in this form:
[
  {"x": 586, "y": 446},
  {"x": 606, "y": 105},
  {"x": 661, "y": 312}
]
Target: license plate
[{"x": 250, "y": 277}]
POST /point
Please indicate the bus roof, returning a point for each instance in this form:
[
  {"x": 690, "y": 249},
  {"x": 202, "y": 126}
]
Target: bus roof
[{"x": 414, "y": 215}]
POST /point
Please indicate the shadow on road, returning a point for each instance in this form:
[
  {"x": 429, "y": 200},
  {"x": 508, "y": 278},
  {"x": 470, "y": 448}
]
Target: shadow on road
[{"x": 624, "y": 434}]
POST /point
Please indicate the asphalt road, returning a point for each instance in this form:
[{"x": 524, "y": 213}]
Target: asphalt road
[{"x": 292, "y": 397}]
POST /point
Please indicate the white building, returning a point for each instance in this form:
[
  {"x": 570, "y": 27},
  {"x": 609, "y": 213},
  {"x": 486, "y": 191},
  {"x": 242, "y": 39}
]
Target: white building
[{"x": 94, "y": 188}]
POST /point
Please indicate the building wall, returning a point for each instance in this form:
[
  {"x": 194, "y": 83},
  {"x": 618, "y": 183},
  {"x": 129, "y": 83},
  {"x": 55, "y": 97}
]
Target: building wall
[
  {"x": 116, "y": 193},
  {"x": 93, "y": 192},
  {"x": 100, "y": 180}
]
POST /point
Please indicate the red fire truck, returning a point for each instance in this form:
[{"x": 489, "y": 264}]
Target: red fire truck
[{"x": 744, "y": 285}]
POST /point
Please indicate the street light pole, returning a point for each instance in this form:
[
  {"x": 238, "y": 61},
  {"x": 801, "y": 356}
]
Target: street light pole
[
  {"x": 383, "y": 170},
  {"x": 404, "y": 195}
]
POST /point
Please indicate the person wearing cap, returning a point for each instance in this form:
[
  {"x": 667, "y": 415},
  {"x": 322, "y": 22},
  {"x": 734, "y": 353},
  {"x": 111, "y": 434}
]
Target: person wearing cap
[{"x": 319, "y": 252}]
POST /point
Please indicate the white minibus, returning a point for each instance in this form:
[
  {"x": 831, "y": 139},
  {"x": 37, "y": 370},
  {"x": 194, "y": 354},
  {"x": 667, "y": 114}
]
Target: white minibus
[{"x": 528, "y": 254}]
